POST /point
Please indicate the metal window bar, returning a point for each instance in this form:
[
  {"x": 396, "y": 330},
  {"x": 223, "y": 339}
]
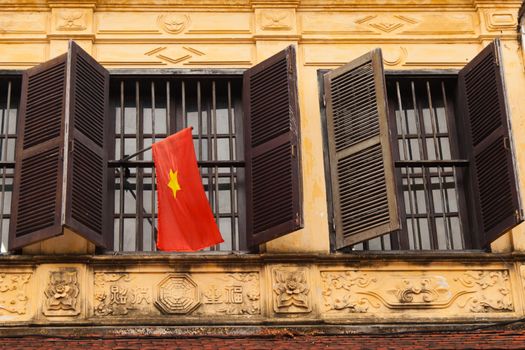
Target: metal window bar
[
  {"x": 9, "y": 103},
  {"x": 148, "y": 110},
  {"x": 428, "y": 165}
]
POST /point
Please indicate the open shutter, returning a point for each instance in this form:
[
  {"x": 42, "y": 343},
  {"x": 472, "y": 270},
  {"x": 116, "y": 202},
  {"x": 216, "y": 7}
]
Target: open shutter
[
  {"x": 87, "y": 209},
  {"x": 361, "y": 164},
  {"x": 37, "y": 188},
  {"x": 494, "y": 187},
  {"x": 62, "y": 150},
  {"x": 272, "y": 149}
]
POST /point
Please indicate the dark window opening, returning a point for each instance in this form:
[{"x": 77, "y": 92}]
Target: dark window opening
[
  {"x": 146, "y": 110},
  {"x": 9, "y": 103},
  {"x": 429, "y": 167}
]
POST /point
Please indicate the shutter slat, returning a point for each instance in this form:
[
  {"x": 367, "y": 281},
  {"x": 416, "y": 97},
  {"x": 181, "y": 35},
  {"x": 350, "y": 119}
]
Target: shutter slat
[
  {"x": 362, "y": 170},
  {"x": 272, "y": 152},
  {"x": 494, "y": 189}
]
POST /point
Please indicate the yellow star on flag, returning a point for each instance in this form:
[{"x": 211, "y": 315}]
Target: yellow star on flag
[{"x": 174, "y": 183}]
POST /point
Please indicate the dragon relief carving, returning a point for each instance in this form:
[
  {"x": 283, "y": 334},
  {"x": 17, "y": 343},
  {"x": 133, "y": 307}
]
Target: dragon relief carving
[
  {"x": 339, "y": 291},
  {"x": 291, "y": 291},
  {"x": 13, "y": 294},
  {"x": 491, "y": 290},
  {"x": 115, "y": 297},
  {"x": 62, "y": 293}
]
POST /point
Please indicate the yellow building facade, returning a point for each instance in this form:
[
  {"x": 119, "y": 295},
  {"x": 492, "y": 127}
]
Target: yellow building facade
[{"x": 297, "y": 279}]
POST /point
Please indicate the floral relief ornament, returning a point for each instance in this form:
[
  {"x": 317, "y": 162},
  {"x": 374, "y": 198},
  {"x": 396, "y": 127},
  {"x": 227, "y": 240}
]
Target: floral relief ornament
[
  {"x": 61, "y": 293},
  {"x": 291, "y": 289}
]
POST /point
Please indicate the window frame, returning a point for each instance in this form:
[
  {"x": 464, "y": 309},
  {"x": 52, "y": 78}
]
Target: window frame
[{"x": 181, "y": 74}]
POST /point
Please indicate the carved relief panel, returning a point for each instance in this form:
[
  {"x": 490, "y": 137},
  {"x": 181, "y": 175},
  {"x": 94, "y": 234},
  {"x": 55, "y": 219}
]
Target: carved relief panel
[
  {"x": 450, "y": 292},
  {"x": 291, "y": 289},
  {"x": 61, "y": 294},
  {"x": 154, "y": 293},
  {"x": 14, "y": 297},
  {"x": 115, "y": 294},
  {"x": 71, "y": 20}
]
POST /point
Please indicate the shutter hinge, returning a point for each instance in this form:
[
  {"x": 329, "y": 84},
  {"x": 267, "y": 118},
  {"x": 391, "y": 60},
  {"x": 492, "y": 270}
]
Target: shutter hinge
[
  {"x": 324, "y": 100},
  {"x": 297, "y": 220},
  {"x": 496, "y": 57},
  {"x": 519, "y": 215},
  {"x": 333, "y": 224},
  {"x": 294, "y": 151}
]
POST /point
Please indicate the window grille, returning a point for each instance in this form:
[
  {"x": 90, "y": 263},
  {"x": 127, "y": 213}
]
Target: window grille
[
  {"x": 428, "y": 165},
  {"x": 146, "y": 110},
  {"x": 9, "y": 102}
]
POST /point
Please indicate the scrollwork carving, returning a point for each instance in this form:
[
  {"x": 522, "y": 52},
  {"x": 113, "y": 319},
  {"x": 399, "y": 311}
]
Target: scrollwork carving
[
  {"x": 339, "y": 294},
  {"x": 13, "y": 295},
  {"x": 492, "y": 291}
]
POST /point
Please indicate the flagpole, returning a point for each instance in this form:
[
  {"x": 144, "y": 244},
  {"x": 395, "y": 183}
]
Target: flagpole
[{"x": 126, "y": 158}]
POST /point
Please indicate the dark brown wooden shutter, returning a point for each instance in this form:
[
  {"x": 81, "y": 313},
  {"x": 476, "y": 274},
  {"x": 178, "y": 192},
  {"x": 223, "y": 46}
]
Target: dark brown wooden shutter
[
  {"x": 61, "y": 176},
  {"x": 494, "y": 187},
  {"x": 361, "y": 164},
  {"x": 272, "y": 149}
]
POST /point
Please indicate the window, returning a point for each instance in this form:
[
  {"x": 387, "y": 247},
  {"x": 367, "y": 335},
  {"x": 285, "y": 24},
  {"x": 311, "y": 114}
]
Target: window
[
  {"x": 73, "y": 158},
  {"x": 400, "y": 177},
  {"x": 9, "y": 102},
  {"x": 146, "y": 110}
]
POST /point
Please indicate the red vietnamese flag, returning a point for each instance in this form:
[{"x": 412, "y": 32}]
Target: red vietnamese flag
[{"x": 186, "y": 222}]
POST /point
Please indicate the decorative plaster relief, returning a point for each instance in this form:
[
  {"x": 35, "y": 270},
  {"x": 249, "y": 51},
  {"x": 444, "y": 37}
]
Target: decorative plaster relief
[
  {"x": 13, "y": 293},
  {"x": 394, "y": 57},
  {"x": 276, "y": 20},
  {"x": 491, "y": 290},
  {"x": 61, "y": 293},
  {"x": 387, "y": 23},
  {"x": 475, "y": 291},
  {"x": 173, "y": 23},
  {"x": 291, "y": 290},
  {"x": 339, "y": 290},
  {"x": 71, "y": 20},
  {"x": 410, "y": 23},
  {"x": 116, "y": 296},
  {"x": 177, "y": 294},
  {"x": 500, "y": 20},
  {"x": 238, "y": 294},
  {"x": 174, "y": 56}
]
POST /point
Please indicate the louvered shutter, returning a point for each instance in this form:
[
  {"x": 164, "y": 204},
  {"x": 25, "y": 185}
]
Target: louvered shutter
[
  {"x": 61, "y": 176},
  {"x": 494, "y": 187},
  {"x": 272, "y": 149},
  {"x": 361, "y": 165}
]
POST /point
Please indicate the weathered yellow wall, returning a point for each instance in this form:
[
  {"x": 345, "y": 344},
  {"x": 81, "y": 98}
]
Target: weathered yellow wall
[{"x": 414, "y": 34}]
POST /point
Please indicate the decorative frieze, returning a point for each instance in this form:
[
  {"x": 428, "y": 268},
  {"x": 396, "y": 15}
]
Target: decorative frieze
[
  {"x": 61, "y": 293},
  {"x": 13, "y": 293},
  {"x": 455, "y": 291}
]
